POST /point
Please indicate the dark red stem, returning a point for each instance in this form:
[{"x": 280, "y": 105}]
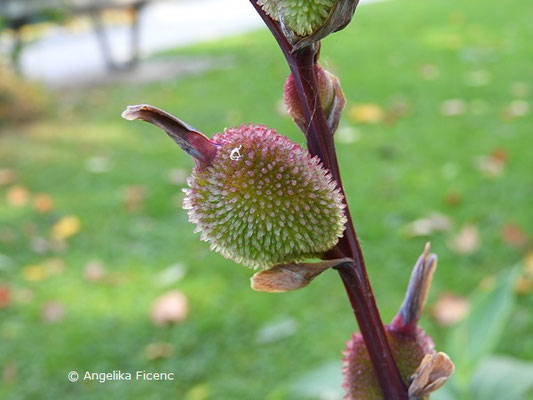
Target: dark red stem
[{"x": 320, "y": 143}]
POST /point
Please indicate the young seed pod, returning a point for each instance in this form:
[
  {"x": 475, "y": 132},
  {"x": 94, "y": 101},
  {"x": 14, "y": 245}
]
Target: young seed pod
[
  {"x": 256, "y": 197},
  {"x": 330, "y": 94},
  {"x": 409, "y": 344},
  {"x": 305, "y": 22},
  {"x": 264, "y": 200}
]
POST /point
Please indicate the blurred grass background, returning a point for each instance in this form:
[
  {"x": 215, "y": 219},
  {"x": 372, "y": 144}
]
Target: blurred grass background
[{"x": 411, "y": 54}]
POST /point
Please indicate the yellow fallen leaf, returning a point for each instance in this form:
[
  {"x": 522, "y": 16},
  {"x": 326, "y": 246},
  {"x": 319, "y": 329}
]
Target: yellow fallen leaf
[
  {"x": 368, "y": 113},
  {"x": 35, "y": 273},
  {"x": 66, "y": 227}
]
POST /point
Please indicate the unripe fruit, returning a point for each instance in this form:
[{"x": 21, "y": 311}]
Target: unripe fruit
[
  {"x": 263, "y": 200},
  {"x": 408, "y": 343},
  {"x": 302, "y": 17},
  {"x": 361, "y": 383},
  {"x": 330, "y": 94}
]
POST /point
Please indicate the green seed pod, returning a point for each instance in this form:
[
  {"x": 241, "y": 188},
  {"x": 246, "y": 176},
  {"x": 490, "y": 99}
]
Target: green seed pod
[
  {"x": 264, "y": 200},
  {"x": 305, "y": 22}
]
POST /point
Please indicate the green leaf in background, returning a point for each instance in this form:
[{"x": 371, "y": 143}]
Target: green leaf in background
[
  {"x": 322, "y": 383},
  {"x": 478, "y": 335},
  {"x": 499, "y": 378}
]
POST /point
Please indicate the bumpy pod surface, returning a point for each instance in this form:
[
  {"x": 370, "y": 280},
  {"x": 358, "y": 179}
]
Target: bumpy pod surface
[
  {"x": 264, "y": 200},
  {"x": 303, "y": 17},
  {"x": 360, "y": 381}
]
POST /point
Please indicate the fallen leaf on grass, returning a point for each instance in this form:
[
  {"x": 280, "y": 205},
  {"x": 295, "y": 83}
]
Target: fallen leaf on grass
[
  {"x": 52, "y": 312},
  {"x": 134, "y": 197},
  {"x": 523, "y": 285},
  {"x": 43, "y": 203},
  {"x": 169, "y": 308},
  {"x": 453, "y": 107},
  {"x": 450, "y": 309},
  {"x": 466, "y": 241},
  {"x": 514, "y": 236},
  {"x": 434, "y": 222},
  {"x": 158, "y": 350},
  {"x": 366, "y": 113},
  {"x": 35, "y": 273},
  {"x": 94, "y": 271},
  {"x": 66, "y": 227},
  {"x": 493, "y": 165},
  {"x": 515, "y": 109},
  {"x": 17, "y": 196},
  {"x": 5, "y": 295},
  {"x": 453, "y": 198},
  {"x": 7, "y": 176}
]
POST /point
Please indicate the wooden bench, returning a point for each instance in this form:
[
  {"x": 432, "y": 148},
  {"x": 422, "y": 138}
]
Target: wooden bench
[{"x": 20, "y": 13}]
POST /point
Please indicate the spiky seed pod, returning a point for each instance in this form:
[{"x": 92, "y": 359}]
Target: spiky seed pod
[
  {"x": 305, "y": 22},
  {"x": 264, "y": 200},
  {"x": 360, "y": 381},
  {"x": 330, "y": 94},
  {"x": 303, "y": 17}
]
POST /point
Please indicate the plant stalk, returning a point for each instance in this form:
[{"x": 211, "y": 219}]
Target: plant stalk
[{"x": 354, "y": 276}]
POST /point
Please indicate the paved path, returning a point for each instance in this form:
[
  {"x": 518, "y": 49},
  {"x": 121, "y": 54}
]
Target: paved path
[{"x": 66, "y": 58}]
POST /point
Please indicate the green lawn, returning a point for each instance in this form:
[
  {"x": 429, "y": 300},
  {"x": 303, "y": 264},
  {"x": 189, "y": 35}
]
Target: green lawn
[{"x": 394, "y": 173}]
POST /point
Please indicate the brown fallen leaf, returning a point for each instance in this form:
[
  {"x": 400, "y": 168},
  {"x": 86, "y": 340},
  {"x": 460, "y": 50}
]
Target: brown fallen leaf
[
  {"x": 434, "y": 222},
  {"x": 5, "y": 295},
  {"x": 158, "y": 350},
  {"x": 514, "y": 236},
  {"x": 52, "y": 312},
  {"x": 453, "y": 198},
  {"x": 450, "y": 309},
  {"x": 169, "y": 308},
  {"x": 66, "y": 227},
  {"x": 17, "y": 196},
  {"x": 466, "y": 241},
  {"x": 43, "y": 203},
  {"x": 134, "y": 197},
  {"x": 7, "y": 176},
  {"x": 366, "y": 113}
]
